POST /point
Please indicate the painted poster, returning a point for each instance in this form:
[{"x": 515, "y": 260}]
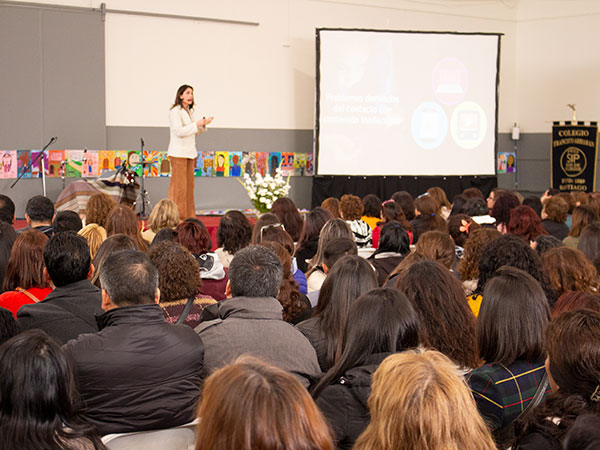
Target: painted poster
[
  {"x": 274, "y": 162},
  {"x": 287, "y": 164},
  {"x": 222, "y": 164},
  {"x": 73, "y": 166},
  {"x": 310, "y": 167},
  {"x": 299, "y": 164},
  {"x": 37, "y": 165},
  {"x": 164, "y": 165},
  {"x": 120, "y": 156},
  {"x": 106, "y": 161},
  {"x": 249, "y": 163},
  {"x": 55, "y": 163},
  {"x": 134, "y": 161},
  {"x": 235, "y": 164},
  {"x": 23, "y": 160},
  {"x": 502, "y": 157},
  {"x": 262, "y": 163},
  {"x": 206, "y": 163},
  {"x": 153, "y": 158},
  {"x": 8, "y": 164},
  {"x": 511, "y": 166},
  {"x": 90, "y": 164}
]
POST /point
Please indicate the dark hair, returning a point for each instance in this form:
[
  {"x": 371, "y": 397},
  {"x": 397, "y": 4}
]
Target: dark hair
[
  {"x": 336, "y": 249},
  {"x": 475, "y": 206},
  {"x": 314, "y": 222},
  {"x": 372, "y": 205},
  {"x": 557, "y": 209},
  {"x": 98, "y": 208},
  {"x": 263, "y": 221},
  {"x": 513, "y": 315},
  {"x": 437, "y": 246},
  {"x": 40, "y": 209},
  {"x": 129, "y": 278},
  {"x": 545, "y": 242},
  {"x": 589, "y": 242},
  {"x": 525, "y": 223},
  {"x": 582, "y": 215},
  {"x": 7, "y": 239},
  {"x": 38, "y": 397},
  {"x": 584, "y": 434},
  {"x": 503, "y": 206},
  {"x": 473, "y": 192},
  {"x": 194, "y": 236},
  {"x": 287, "y": 211},
  {"x": 428, "y": 218},
  {"x": 164, "y": 235},
  {"x": 67, "y": 221},
  {"x": 122, "y": 220},
  {"x": 234, "y": 232},
  {"x": 8, "y": 325},
  {"x": 448, "y": 325},
  {"x": 460, "y": 227},
  {"x": 380, "y": 321},
  {"x": 534, "y": 203},
  {"x": 112, "y": 244},
  {"x": 573, "y": 300},
  {"x": 458, "y": 203},
  {"x": 468, "y": 267},
  {"x": 26, "y": 264},
  {"x": 180, "y": 90},
  {"x": 406, "y": 202},
  {"x": 7, "y": 209},
  {"x": 393, "y": 238},
  {"x": 390, "y": 210},
  {"x": 255, "y": 271},
  {"x": 348, "y": 279},
  {"x": 279, "y": 235},
  {"x": 351, "y": 207},
  {"x": 67, "y": 258}
]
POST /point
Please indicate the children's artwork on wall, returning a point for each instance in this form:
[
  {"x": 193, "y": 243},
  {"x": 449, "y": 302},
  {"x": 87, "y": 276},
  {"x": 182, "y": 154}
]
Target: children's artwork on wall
[
  {"x": 90, "y": 164},
  {"x": 134, "y": 161},
  {"x": 37, "y": 165},
  {"x": 23, "y": 160},
  {"x": 222, "y": 164},
  {"x": 287, "y": 164},
  {"x": 235, "y": 164},
  {"x": 310, "y": 168},
  {"x": 249, "y": 163},
  {"x": 207, "y": 164},
  {"x": 299, "y": 163},
  {"x": 502, "y": 162},
  {"x": 55, "y": 161},
  {"x": 106, "y": 161},
  {"x": 274, "y": 162},
  {"x": 73, "y": 166},
  {"x": 8, "y": 164},
  {"x": 511, "y": 163},
  {"x": 120, "y": 156},
  {"x": 262, "y": 163},
  {"x": 153, "y": 157}
]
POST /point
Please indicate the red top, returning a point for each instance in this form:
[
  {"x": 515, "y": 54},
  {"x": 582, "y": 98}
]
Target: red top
[
  {"x": 13, "y": 300},
  {"x": 377, "y": 233}
]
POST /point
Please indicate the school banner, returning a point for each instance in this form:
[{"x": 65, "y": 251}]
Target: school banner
[{"x": 573, "y": 156}]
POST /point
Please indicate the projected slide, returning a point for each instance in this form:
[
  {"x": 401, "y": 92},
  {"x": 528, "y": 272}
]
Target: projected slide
[{"x": 406, "y": 103}]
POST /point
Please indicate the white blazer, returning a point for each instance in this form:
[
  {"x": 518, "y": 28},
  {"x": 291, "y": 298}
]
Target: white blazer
[{"x": 183, "y": 133}]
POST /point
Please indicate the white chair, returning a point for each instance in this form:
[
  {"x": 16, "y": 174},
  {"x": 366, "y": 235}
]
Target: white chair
[{"x": 179, "y": 438}]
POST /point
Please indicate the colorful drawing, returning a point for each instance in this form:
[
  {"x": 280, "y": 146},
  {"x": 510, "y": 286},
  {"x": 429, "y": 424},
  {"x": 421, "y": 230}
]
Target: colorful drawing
[
  {"x": 287, "y": 164},
  {"x": 134, "y": 158},
  {"x": 164, "y": 165},
  {"x": 262, "y": 163},
  {"x": 310, "y": 167},
  {"x": 73, "y": 166},
  {"x": 222, "y": 164},
  {"x": 502, "y": 157},
  {"x": 89, "y": 163},
  {"x": 23, "y": 160},
  {"x": 153, "y": 157},
  {"x": 8, "y": 164},
  {"x": 206, "y": 164},
  {"x": 106, "y": 161},
  {"x": 249, "y": 163},
  {"x": 235, "y": 164},
  {"x": 274, "y": 162},
  {"x": 511, "y": 163},
  {"x": 120, "y": 156},
  {"x": 55, "y": 163},
  {"x": 36, "y": 168},
  {"x": 299, "y": 164}
]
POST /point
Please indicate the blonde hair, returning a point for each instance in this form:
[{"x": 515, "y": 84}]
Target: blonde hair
[
  {"x": 419, "y": 401},
  {"x": 95, "y": 235},
  {"x": 164, "y": 215}
]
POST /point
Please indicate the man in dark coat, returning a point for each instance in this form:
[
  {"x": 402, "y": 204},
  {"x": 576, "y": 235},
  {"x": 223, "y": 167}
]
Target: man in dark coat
[
  {"x": 69, "y": 309},
  {"x": 139, "y": 372},
  {"x": 251, "y": 322}
]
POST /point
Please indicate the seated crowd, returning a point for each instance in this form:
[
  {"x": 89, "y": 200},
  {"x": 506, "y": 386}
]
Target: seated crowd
[{"x": 409, "y": 323}]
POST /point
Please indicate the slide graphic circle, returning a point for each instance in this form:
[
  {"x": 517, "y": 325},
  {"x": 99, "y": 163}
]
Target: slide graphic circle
[
  {"x": 450, "y": 81},
  {"x": 429, "y": 125},
  {"x": 468, "y": 125}
]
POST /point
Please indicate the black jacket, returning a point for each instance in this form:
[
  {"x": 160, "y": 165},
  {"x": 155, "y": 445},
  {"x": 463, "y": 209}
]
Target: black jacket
[
  {"x": 313, "y": 332},
  {"x": 344, "y": 403},
  {"x": 139, "y": 372},
  {"x": 65, "y": 313},
  {"x": 557, "y": 229},
  {"x": 306, "y": 253}
]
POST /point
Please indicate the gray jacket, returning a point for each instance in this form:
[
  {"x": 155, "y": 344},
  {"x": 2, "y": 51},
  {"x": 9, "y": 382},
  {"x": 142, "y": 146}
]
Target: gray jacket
[{"x": 245, "y": 325}]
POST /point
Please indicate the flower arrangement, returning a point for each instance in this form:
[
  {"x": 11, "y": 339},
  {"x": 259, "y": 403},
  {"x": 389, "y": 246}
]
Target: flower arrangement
[{"x": 263, "y": 191}]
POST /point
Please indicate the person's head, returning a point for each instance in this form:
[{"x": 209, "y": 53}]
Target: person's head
[
  {"x": 348, "y": 279},
  {"x": 458, "y": 203},
  {"x": 419, "y": 401},
  {"x": 525, "y": 223},
  {"x": 7, "y": 239},
  {"x": 279, "y": 235},
  {"x": 263, "y": 222},
  {"x": 569, "y": 270},
  {"x": 475, "y": 207},
  {"x": 555, "y": 209},
  {"x": 351, "y": 207},
  {"x": 110, "y": 245},
  {"x": 545, "y": 242},
  {"x": 493, "y": 196},
  {"x": 379, "y": 321},
  {"x": 460, "y": 228},
  {"x": 584, "y": 434},
  {"x": 582, "y": 216},
  {"x": 128, "y": 278},
  {"x": 503, "y": 205},
  {"x": 194, "y": 236},
  {"x": 67, "y": 221},
  {"x": 313, "y": 224},
  {"x": 164, "y": 215},
  {"x": 7, "y": 209},
  {"x": 534, "y": 203},
  {"x": 95, "y": 235},
  {"x": 513, "y": 315},
  {"x": 334, "y": 228},
  {"x": 394, "y": 238},
  {"x": 8, "y": 325},
  {"x": 262, "y": 407},
  {"x": 255, "y": 271},
  {"x": 287, "y": 211},
  {"x": 573, "y": 300},
  {"x": 448, "y": 324},
  {"x": 26, "y": 264},
  {"x": 39, "y": 210},
  {"x": 439, "y": 195},
  {"x": 372, "y": 205},
  {"x": 567, "y": 197},
  {"x": 437, "y": 246},
  {"x": 98, "y": 208},
  {"x": 425, "y": 205},
  {"x": 406, "y": 202},
  {"x": 332, "y": 205},
  {"x": 473, "y": 192},
  {"x": 67, "y": 258},
  {"x": 468, "y": 267},
  {"x": 178, "y": 272},
  {"x": 589, "y": 242},
  {"x": 234, "y": 232},
  {"x": 184, "y": 97},
  {"x": 38, "y": 394},
  {"x": 122, "y": 220},
  {"x": 166, "y": 234},
  {"x": 335, "y": 249}
]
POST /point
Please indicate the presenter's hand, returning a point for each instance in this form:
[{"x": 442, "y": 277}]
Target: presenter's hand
[{"x": 205, "y": 121}]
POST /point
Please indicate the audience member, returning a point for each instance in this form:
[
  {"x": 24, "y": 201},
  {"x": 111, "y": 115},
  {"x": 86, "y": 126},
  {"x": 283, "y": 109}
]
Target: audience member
[
  {"x": 98, "y": 208},
  {"x": 458, "y": 203},
  {"x": 95, "y": 235},
  {"x": 251, "y": 321},
  {"x": 468, "y": 267},
  {"x": 443, "y": 205},
  {"x": 148, "y": 373},
  {"x": 419, "y": 401},
  {"x": 477, "y": 209},
  {"x": 38, "y": 400},
  {"x": 510, "y": 338},
  {"x": 70, "y": 309},
  {"x": 372, "y": 210},
  {"x": 545, "y": 242},
  {"x": 554, "y": 215},
  {"x": 308, "y": 243},
  {"x": 165, "y": 214},
  {"x": 111, "y": 245},
  {"x": 393, "y": 247},
  {"x": 122, "y": 220},
  {"x": 437, "y": 246},
  {"x": 351, "y": 209},
  {"x": 406, "y": 202},
  {"x": 494, "y": 195},
  {"x": 460, "y": 227},
  {"x": 348, "y": 279},
  {"x": 427, "y": 218},
  {"x": 589, "y": 243},
  {"x": 7, "y": 240},
  {"x": 67, "y": 221},
  {"x": 234, "y": 233},
  {"x": 569, "y": 270},
  {"x": 264, "y": 221},
  {"x": 534, "y": 203},
  {"x": 251, "y": 405},
  {"x": 7, "y": 210},
  {"x": 473, "y": 192},
  {"x": 332, "y": 205},
  {"x": 390, "y": 210},
  {"x": 25, "y": 282},
  {"x": 584, "y": 434},
  {"x": 287, "y": 212},
  {"x": 447, "y": 324},
  {"x": 380, "y": 322},
  {"x": 39, "y": 214},
  {"x": 179, "y": 282},
  {"x": 573, "y": 300},
  {"x": 503, "y": 205},
  {"x": 8, "y": 325},
  {"x": 525, "y": 223},
  {"x": 582, "y": 216}
]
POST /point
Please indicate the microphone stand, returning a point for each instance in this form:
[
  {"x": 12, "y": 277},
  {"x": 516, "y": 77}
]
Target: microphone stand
[{"x": 43, "y": 168}]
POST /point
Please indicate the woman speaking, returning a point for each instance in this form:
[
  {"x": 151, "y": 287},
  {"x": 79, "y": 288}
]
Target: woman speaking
[{"x": 182, "y": 150}]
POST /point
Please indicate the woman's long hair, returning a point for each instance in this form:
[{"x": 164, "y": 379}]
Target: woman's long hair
[
  {"x": 180, "y": 91},
  {"x": 252, "y": 405},
  {"x": 313, "y": 224},
  {"x": 419, "y": 401},
  {"x": 26, "y": 263},
  {"x": 288, "y": 214},
  {"x": 38, "y": 397},
  {"x": 334, "y": 228},
  {"x": 380, "y": 321},
  {"x": 122, "y": 220}
]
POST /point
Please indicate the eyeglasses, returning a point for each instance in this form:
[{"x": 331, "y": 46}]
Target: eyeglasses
[{"x": 271, "y": 225}]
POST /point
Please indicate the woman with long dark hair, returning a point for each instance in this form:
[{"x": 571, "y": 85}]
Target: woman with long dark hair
[
  {"x": 427, "y": 217},
  {"x": 390, "y": 210},
  {"x": 309, "y": 238},
  {"x": 393, "y": 247},
  {"x": 380, "y": 322},
  {"x": 288, "y": 214},
  {"x": 234, "y": 233},
  {"x": 38, "y": 398}
]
